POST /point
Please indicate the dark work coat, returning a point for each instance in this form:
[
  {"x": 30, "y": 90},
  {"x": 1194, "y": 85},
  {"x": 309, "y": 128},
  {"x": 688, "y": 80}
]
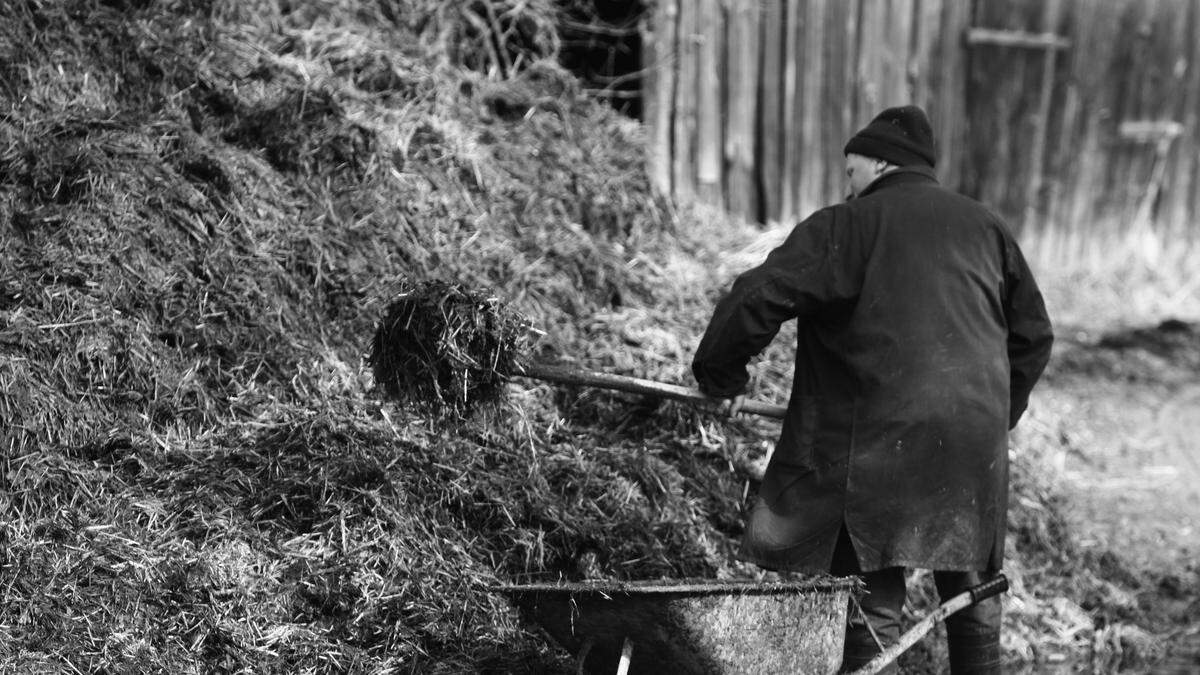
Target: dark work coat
[{"x": 921, "y": 334}]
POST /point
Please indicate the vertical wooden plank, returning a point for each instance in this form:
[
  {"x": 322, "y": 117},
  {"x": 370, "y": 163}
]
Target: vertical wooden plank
[
  {"x": 926, "y": 73},
  {"x": 1146, "y": 188},
  {"x": 726, "y": 65},
  {"x": 926, "y": 14},
  {"x": 1180, "y": 214},
  {"x": 870, "y": 70},
  {"x": 660, "y": 62},
  {"x": 709, "y": 140},
  {"x": 770, "y": 109},
  {"x": 1134, "y": 160},
  {"x": 1190, "y": 218},
  {"x": 792, "y": 65},
  {"x": 1068, "y": 129},
  {"x": 1065, "y": 132},
  {"x": 742, "y": 92},
  {"x": 1063, "y": 153},
  {"x": 1033, "y": 189},
  {"x": 1108, "y": 94},
  {"x": 839, "y": 91},
  {"x": 1093, "y": 47},
  {"x": 684, "y": 124},
  {"x": 1175, "y": 46},
  {"x": 948, "y": 86},
  {"x": 814, "y": 158},
  {"x": 885, "y": 37},
  {"x": 895, "y": 85},
  {"x": 1088, "y": 178}
]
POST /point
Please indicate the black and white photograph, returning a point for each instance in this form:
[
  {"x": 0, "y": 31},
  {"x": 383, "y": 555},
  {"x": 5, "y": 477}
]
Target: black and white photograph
[{"x": 633, "y": 337}]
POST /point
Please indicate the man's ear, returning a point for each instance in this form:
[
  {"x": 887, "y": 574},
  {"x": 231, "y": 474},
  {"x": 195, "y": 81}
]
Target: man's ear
[{"x": 881, "y": 165}]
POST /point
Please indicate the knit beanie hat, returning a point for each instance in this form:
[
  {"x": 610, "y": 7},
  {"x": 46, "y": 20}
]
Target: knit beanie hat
[{"x": 900, "y": 136}]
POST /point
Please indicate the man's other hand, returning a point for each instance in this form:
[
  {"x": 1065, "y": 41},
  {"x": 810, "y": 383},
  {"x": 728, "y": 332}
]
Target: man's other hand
[{"x": 728, "y": 407}]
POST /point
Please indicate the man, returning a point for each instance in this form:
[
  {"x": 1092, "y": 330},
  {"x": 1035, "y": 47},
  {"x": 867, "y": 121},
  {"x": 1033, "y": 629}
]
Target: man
[{"x": 921, "y": 334}]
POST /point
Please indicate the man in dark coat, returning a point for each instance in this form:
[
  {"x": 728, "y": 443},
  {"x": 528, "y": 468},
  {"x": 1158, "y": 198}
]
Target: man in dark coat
[{"x": 921, "y": 334}]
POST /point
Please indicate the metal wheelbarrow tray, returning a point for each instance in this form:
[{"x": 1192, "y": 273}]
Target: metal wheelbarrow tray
[{"x": 694, "y": 626}]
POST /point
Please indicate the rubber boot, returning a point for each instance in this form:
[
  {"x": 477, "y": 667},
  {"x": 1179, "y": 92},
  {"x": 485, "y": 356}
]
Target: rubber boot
[
  {"x": 974, "y": 653},
  {"x": 874, "y": 623},
  {"x": 859, "y": 649},
  {"x": 973, "y": 634}
]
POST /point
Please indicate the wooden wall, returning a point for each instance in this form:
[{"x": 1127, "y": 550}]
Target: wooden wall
[
  {"x": 750, "y": 102},
  {"x": 1129, "y": 61}
]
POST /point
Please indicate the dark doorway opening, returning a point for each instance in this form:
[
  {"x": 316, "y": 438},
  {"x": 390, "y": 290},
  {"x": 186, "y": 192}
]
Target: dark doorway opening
[{"x": 602, "y": 46}]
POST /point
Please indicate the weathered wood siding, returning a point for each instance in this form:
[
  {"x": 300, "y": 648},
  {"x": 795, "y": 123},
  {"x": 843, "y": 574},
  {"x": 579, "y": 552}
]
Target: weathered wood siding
[
  {"x": 752, "y": 101},
  {"x": 1129, "y": 61},
  {"x": 749, "y": 102}
]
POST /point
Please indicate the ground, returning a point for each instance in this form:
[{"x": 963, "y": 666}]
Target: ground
[{"x": 1129, "y": 406}]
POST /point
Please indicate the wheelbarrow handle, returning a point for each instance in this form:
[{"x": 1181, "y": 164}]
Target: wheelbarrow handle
[
  {"x": 963, "y": 600},
  {"x": 635, "y": 385},
  {"x": 988, "y": 589}
]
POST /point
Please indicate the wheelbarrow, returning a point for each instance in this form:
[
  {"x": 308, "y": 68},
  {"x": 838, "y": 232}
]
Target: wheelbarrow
[{"x": 712, "y": 627}]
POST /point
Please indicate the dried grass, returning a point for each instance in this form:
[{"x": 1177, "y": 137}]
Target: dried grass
[
  {"x": 444, "y": 349},
  {"x": 205, "y": 215}
]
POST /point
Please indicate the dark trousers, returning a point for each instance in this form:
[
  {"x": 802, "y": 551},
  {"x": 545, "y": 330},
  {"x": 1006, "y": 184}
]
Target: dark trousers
[{"x": 972, "y": 634}]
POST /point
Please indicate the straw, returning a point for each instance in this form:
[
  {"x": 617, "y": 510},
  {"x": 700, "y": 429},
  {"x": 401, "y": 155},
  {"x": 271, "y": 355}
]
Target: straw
[{"x": 444, "y": 349}]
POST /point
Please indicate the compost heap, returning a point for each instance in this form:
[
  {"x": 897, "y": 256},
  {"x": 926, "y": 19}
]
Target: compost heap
[
  {"x": 206, "y": 207},
  {"x": 445, "y": 351}
]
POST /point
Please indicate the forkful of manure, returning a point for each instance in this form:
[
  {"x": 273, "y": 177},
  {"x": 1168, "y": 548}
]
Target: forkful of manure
[{"x": 446, "y": 350}]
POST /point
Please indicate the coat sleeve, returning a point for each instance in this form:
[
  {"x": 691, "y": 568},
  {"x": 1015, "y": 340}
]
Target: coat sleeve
[
  {"x": 1030, "y": 335},
  {"x": 800, "y": 277}
]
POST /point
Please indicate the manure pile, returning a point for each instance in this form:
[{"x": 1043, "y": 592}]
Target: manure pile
[
  {"x": 445, "y": 350},
  {"x": 207, "y": 208}
]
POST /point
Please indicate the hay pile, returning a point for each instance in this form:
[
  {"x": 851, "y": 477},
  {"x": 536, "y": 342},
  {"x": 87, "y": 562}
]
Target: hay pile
[
  {"x": 446, "y": 350},
  {"x": 206, "y": 210}
]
